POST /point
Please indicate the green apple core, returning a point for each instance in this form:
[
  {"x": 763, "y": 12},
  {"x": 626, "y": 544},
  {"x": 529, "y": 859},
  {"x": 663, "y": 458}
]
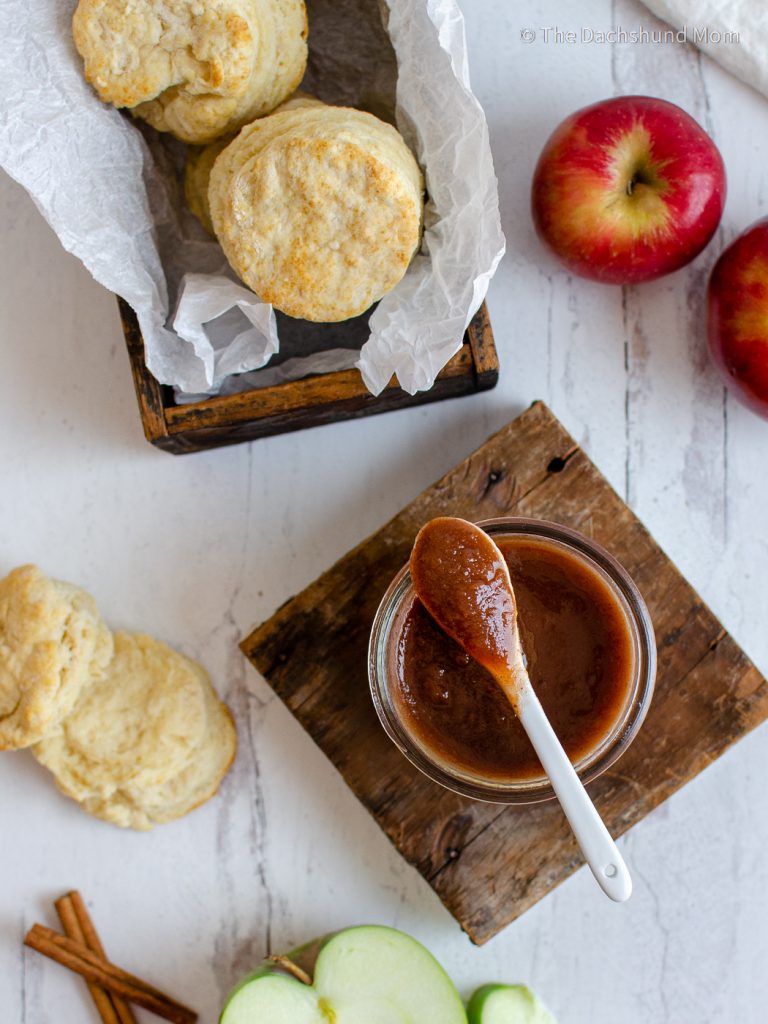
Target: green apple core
[{"x": 369, "y": 974}]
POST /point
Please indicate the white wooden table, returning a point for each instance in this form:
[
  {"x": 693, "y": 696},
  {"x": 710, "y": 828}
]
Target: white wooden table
[{"x": 198, "y": 549}]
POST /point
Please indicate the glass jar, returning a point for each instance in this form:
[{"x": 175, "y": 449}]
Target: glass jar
[{"x": 386, "y": 632}]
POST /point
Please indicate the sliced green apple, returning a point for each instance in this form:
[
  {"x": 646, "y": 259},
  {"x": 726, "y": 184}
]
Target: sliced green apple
[
  {"x": 364, "y": 975},
  {"x": 507, "y": 1004},
  {"x": 277, "y": 998}
]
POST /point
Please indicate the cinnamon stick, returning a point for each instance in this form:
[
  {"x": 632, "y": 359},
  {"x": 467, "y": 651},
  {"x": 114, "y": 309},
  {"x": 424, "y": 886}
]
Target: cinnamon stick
[
  {"x": 78, "y": 925},
  {"x": 101, "y": 998},
  {"x": 77, "y": 957}
]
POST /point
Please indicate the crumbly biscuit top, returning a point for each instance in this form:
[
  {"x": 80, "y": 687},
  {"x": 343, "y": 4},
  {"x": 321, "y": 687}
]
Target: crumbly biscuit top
[
  {"x": 197, "y": 69},
  {"x": 133, "y": 51},
  {"x": 200, "y": 161},
  {"x": 318, "y": 209}
]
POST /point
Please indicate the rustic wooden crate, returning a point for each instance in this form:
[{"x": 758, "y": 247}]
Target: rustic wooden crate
[
  {"x": 297, "y": 404},
  {"x": 486, "y": 862}
]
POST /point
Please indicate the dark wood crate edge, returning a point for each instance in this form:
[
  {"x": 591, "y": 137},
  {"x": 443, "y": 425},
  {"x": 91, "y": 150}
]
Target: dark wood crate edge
[
  {"x": 238, "y": 418},
  {"x": 148, "y": 390}
]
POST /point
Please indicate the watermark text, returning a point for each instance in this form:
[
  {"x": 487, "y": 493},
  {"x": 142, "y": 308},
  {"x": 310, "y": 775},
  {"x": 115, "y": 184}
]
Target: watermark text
[{"x": 698, "y": 35}]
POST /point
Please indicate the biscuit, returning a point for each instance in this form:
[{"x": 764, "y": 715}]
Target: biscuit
[
  {"x": 53, "y": 645},
  {"x": 196, "y": 176},
  {"x": 196, "y": 69},
  {"x": 318, "y": 209},
  {"x": 146, "y": 744},
  {"x": 196, "y": 783},
  {"x": 200, "y": 163}
]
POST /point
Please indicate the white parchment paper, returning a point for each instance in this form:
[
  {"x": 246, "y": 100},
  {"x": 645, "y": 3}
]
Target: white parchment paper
[{"x": 110, "y": 188}]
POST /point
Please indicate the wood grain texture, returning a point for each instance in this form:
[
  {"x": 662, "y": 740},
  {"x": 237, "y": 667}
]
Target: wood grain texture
[
  {"x": 487, "y": 863},
  {"x": 148, "y": 391},
  {"x": 295, "y": 405}
]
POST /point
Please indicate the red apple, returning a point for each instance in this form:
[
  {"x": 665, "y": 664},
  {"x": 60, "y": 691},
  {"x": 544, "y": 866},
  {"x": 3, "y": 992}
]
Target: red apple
[
  {"x": 737, "y": 313},
  {"x": 628, "y": 190}
]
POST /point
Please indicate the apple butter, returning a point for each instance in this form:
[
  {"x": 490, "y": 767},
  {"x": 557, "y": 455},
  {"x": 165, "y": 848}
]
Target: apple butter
[
  {"x": 578, "y": 646},
  {"x": 447, "y": 555}
]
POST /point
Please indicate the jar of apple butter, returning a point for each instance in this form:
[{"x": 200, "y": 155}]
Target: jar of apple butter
[{"x": 590, "y": 652}]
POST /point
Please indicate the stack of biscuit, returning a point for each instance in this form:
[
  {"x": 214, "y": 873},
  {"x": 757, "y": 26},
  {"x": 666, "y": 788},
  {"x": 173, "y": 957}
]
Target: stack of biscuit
[
  {"x": 317, "y": 208},
  {"x": 129, "y": 728}
]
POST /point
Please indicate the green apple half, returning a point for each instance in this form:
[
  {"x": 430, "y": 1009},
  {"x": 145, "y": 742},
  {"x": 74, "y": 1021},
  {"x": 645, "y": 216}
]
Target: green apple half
[
  {"x": 507, "y": 1004},
  {"x": 364, "y": 975}
]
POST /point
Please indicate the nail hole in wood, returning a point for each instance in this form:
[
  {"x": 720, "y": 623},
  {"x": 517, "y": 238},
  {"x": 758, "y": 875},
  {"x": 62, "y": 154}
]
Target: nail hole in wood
[
  {"x": 556, "y": 465},
  {"x": 492, "y": 479}
]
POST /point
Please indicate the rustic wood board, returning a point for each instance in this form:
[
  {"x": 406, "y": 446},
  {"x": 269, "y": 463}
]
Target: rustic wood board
[
  {"x": 488, "y": 863},
  {"x": 296, "y": 404}
]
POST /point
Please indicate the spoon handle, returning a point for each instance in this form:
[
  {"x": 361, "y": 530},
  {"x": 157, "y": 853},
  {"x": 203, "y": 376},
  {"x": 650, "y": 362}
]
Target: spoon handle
[{"x": 599, "y": 849}]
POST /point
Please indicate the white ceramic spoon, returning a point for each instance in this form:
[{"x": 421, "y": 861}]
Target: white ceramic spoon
[{"x": 462, "y": 579}]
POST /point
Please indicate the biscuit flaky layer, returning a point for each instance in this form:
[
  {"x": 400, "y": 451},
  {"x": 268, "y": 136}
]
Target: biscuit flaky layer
[
  {"x": 53, "y": 645},
  {"x": 196, "y": 68},
  {"x": 147, "y": 743},
  {"x": 318, "y": 209}
]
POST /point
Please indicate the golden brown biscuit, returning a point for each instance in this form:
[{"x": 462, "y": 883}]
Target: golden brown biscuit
[
  {"x": 53, "y": 645},
  {"x": 318, "y": 209},
  {"x": 196, "y": 69},
  {"x": 200, "y": 163},
  {"x": 147, "y": 743}
]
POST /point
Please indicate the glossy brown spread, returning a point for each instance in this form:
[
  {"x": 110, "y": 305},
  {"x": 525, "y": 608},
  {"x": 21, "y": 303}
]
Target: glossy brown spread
[
  {"x": 578, "y": 648},
  {"x": 462, "y": 580}
]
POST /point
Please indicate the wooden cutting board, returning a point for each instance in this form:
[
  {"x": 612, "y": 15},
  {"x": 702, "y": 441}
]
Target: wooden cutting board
[{"x": 488, "y": 863}]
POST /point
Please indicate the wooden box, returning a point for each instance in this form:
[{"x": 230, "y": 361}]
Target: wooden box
[{"x": 295, "y": 405}]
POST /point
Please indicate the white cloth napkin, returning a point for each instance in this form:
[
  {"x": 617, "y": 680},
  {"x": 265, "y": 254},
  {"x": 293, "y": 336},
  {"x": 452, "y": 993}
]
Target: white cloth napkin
[{"x": 732, "y": 32}]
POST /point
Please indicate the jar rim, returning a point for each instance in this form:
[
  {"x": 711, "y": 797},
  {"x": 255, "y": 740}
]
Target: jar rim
[{"x": 596, "y": 760}]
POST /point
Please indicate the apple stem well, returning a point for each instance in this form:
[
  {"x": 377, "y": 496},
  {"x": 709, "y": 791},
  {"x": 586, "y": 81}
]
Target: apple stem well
[
  {"x": 644, "y": 176},
  {"x": 292, "y": 968}
]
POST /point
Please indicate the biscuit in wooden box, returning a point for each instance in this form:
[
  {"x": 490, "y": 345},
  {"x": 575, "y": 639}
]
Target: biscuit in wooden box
[{"x": 195, "y": 70}]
